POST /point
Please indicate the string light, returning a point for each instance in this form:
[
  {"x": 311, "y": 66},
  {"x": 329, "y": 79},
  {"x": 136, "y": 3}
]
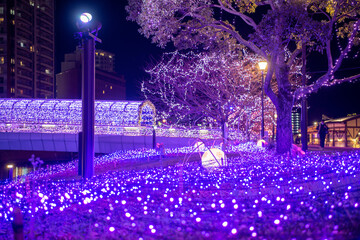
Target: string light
[
  {"x": 161, "y": 22},
  {"x": 64, "y": 116},
  {"x": 219, "y": 87}
]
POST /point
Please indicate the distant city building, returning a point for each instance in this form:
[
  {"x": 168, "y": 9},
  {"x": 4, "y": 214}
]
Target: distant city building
[
  {"x": 104, "y": 61},
  {"x": 295, "y": 120},
  {"x": 27, "y": 48},
  {"x": 108, "y": 84}
]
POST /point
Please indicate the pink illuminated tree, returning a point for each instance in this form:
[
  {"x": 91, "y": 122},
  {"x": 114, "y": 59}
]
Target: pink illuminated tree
[
  {"x": 219, "y": 87},
  {"x": 276, "y": 30}
]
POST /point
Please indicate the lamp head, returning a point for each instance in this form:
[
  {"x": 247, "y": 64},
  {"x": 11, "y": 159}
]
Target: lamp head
[
  {"x": 85, "y": 17},
  {"x": 86, "y": 23},
  {"x": 262, "y": 65},
  {"x": 9, "y": 166}
]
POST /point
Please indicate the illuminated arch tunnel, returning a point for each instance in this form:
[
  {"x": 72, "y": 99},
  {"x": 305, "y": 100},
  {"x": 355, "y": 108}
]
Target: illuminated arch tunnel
[
  {"x": 54, "y": 124},
  {"x": 64, "y": 116}
]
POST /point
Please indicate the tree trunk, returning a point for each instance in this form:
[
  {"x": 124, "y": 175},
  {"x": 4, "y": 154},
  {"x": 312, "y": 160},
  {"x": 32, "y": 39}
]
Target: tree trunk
[
  {"x": 225, "y": 133},
  {"x": 284, "y": 131}
]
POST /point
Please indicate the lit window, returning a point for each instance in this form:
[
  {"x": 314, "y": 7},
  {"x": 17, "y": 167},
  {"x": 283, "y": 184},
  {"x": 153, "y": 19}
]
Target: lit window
[
  {"x": 110, "y": 87},
  {"x": 32, "y": 3},
  {"x": 102, "y": 54},
  {"x": 13, "y": 22},
  {"x": 21, "y": 63},
  {"x": 1, "y": 20},
  {"x": 22, "y": 44},
  {"x": 110, "y": 56},
  {"x": 2, "y": 60},
  {"x": 31, "y": 48},
  {"x": 103, "y": 91},
  {"x": 12, "y": 11},
  {"x": 12, "y": 61},
  {"x": 47, "y": 71},
  {"x": 12, "y": 90}
]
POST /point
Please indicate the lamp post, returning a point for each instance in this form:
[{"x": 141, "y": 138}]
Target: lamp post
[
  {"x": 262, "y": 66},
  {"x": 88, "y": 35},
  {"x": 304, "y": 114}
]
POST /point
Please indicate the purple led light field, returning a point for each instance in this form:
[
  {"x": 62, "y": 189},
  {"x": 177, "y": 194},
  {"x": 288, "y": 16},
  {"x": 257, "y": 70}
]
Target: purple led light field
[{"x": 258, "y": 195}]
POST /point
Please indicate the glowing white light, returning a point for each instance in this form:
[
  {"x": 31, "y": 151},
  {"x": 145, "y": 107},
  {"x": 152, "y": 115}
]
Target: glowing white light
[
  {"x": 213, "y": 158},
  {"x": 85, "y": 17},
  {"x": 261, "y": 143},
  {"x": 262, "y": 65}
]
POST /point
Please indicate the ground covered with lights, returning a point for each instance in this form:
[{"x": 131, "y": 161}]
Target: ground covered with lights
[{"x": 258, "y": 196}]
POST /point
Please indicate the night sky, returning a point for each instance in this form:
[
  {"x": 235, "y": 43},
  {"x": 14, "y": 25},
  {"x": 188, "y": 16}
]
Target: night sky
[{"x": 134, "y": 52}]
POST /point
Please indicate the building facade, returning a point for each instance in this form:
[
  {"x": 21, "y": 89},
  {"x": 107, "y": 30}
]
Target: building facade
[
  {"x": 343, "y": 132},
  {"x": 108, "y": 84},
  {"x": 27, "y": 48},
  {"x": 104, "y": 61}
]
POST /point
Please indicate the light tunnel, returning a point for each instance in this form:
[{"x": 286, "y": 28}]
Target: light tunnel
[{"x": 65, "y": 115}]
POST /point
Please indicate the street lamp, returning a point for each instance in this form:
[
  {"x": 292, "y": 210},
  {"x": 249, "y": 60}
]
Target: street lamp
[
  {"x": 262, "y": 66},
  {"x": 85, "y": 17},
  {"x": 88, "y": 30}
]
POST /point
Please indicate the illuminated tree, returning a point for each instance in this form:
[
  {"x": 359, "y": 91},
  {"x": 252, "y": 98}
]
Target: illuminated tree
[
  {"x": 277, "y": 30},
  {"x": 216, "y": 86},
  {"x": 249, "y": 122}
]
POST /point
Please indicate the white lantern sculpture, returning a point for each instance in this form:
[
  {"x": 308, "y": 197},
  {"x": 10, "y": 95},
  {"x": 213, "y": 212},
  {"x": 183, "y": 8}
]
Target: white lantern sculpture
[{"x": 213, "y": 158}]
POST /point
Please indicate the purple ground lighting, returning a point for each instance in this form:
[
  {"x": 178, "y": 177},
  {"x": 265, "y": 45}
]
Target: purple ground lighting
[{"x": 257, "y": 196}]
